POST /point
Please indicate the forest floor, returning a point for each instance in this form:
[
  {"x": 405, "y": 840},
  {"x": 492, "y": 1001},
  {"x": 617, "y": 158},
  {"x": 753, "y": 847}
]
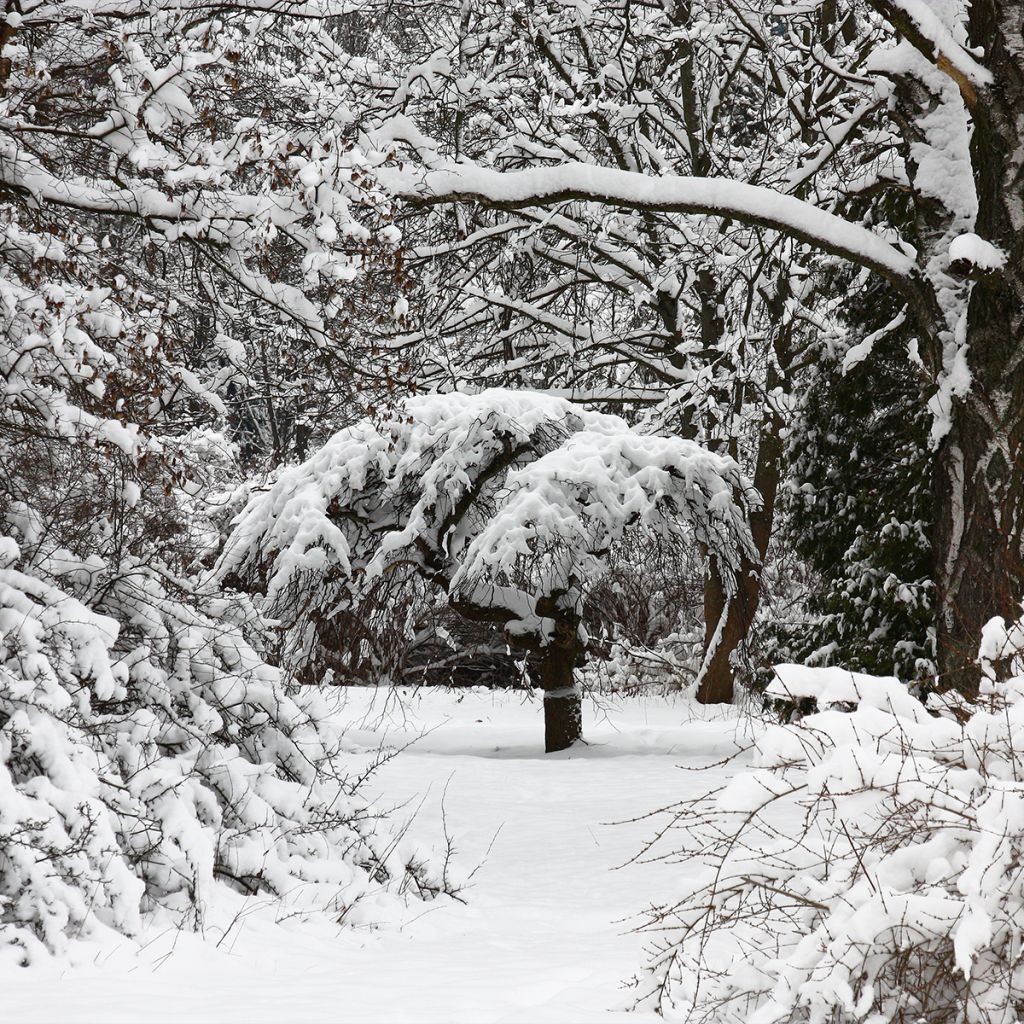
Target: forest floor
[{"x": 547, "y": 930}]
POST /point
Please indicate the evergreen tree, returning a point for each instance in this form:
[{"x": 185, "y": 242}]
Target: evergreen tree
[{"x": 860, "y": 507}]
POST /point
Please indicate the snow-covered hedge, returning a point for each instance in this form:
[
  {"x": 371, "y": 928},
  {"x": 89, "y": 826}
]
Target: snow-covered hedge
[
  {"x": 867, "y": 868},
  {"x": 148, "y": 754}
]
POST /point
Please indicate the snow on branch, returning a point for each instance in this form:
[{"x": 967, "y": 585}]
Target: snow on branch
[
  {"x": 56, "y": 10},
  {"x": 946, "y": 45},
  {"x": 150, "y": 758},
  {"x": 503, "y": 499},
  {"x": 753, "y": 204}
]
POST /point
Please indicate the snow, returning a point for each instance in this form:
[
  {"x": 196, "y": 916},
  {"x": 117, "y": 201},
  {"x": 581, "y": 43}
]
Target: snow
[
  {"x": 908, "y": 851},
  {"x": 715, "y": 196},
  {"x": 970, "y": 248},
  {"x": 545, "y": 933}
]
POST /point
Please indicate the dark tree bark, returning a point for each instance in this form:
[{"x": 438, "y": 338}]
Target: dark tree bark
[
  {"x": 553, "y": 658},
  {"x": 979, "y": 479},
  {"x": 723, "y": 639},
  {"x": 563, "y": 721},
  {"x": 717, "y": 681},
  {"x": 563, "y": 703},
  {"x": 739, "y": 601}
]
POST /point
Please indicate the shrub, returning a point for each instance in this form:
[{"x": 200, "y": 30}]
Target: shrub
[
  {"x": 867, "y": 867},
  {"x": 148, "y": 754}
]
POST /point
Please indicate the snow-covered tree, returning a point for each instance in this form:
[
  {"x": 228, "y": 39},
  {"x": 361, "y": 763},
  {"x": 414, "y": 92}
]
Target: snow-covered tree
[
  {"x": 947, "y": 82},
  {"x": 173, "y": 177},
  {"x": 510, "y": 503}
]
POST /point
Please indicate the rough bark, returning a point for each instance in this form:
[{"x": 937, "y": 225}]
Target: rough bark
[
  {"x": 563, "y": 721},
  {"x": 739, "y": 602},
  {"x": 979, "y": 479},
  {"x": 717, "y": 684},
  {"x": 553, "y": 658}
]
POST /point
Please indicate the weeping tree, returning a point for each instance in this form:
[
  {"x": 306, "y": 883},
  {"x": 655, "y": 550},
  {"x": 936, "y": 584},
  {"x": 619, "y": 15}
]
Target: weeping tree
[{"x": 508, "y": 503}]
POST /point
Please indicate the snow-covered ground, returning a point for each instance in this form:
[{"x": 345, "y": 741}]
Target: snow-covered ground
[{"x": 545, "y": 934}]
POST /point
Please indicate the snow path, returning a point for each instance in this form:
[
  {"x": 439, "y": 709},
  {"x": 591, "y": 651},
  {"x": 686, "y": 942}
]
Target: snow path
[{"x": 545, "y": 935}]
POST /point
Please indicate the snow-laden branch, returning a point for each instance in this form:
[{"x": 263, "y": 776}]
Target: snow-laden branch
[
  {"x": 875, "y": 833},
  {"x": 209, "y": 773},
  {"x": 58, "y": 10},
  {"x": 920, "y": 24},
  {"x": 752, "y": 204}
]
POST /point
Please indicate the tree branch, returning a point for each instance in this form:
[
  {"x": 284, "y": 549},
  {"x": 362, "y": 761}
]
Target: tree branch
[
  {"x": 921, "y": 27},
  {"x": 718, "y": 197}
]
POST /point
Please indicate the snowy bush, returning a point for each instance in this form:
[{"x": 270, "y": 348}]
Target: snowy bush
[
  {"x": 148, "y": 754},
  {"x": 670, "y": 664},
  {"x": 866, "y": 868}
]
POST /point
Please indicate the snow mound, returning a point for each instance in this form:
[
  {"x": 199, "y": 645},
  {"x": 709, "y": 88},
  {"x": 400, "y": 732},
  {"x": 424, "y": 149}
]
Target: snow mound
[{"x": 970, "y": 248}]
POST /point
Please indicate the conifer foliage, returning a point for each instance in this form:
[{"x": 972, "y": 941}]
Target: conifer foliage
[{"x": 859, "y": 509}]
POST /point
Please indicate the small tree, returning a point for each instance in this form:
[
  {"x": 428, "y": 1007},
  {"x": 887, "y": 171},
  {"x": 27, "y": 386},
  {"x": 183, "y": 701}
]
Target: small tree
[
  {"x": 509, "y": 502},
  {"x": 700, "y": 326}
]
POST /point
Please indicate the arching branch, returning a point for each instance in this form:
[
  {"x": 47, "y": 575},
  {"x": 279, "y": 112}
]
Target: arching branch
[{"x": 750, "y": 204}]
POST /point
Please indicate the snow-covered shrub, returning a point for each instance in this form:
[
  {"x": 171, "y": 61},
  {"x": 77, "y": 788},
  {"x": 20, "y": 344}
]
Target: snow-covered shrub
[
  {"x": 866, "y": 868},
  {"x": 669, "y": 664},
  {"x": 148, "y": 754}
]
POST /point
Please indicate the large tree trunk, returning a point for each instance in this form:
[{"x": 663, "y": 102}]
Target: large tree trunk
[
  {"x": 978, "y": 490},
  {"x": 727, "y": 623},
  {"x": 563, "y": 703},
  {"x": 979, "y": 482}
]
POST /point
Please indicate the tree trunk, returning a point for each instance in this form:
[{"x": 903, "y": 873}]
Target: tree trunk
[
  {"x": 722, "y": 639},
  {"x": 979, "y": 479},
  {"x": 978, "y": 490},
  {"x": 563, "y": 703},
  {"x": 563, "y": 720}
]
